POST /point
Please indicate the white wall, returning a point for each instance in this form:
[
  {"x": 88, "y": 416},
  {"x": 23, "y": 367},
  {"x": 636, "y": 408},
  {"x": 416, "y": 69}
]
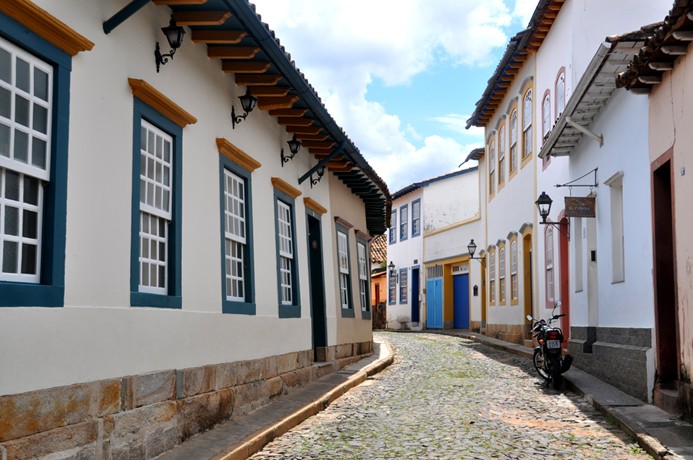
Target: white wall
[{"x": 97, "y": 335}]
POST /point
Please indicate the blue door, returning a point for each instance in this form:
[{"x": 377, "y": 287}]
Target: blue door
[
  {"x": 434, "y": 303},
  {"x": 460, "y": 296}
]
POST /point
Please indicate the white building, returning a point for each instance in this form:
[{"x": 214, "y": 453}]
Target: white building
[
  {"x": 421, "y": 210},
  {"x": 162, "y": 267}
]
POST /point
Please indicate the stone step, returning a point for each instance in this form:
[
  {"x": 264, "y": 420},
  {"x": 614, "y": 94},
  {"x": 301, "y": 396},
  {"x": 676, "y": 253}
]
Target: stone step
[{"x": 667, "y": 400}]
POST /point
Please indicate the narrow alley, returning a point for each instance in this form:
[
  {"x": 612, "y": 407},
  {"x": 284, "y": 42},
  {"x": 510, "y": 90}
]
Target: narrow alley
[{"x": 449, "y": 398}]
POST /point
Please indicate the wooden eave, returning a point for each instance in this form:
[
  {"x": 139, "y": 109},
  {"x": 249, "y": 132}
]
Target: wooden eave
[
  {"x": 660, "y": 52},
  {"x": 244, "y": 45}
]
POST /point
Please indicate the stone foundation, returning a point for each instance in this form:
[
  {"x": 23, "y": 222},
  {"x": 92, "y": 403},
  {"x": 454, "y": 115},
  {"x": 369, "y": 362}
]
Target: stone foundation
[
  {"x": 142, "y": 416},
  {"x": 686, "y": 400},
  {"x": 617, "y": 356},
  {"x": 514, "y": 333}
]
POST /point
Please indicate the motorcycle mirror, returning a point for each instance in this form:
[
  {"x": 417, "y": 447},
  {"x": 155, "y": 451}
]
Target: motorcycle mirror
[{"x": 529, "y": 318}]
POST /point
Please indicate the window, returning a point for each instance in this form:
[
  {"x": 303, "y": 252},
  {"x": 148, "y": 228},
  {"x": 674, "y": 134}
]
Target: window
[
  {"x": 393, "y": 227},
  {"x": 491, "y": 166},
  {"x": 492, "y": 276},
  {"x": 546, "y": 117},
  {"x": 34, "y": 101},
  {"x": 403, "y": 278},
  {"x": 501, "y": 274},
  {"x": 344, "y": 275},
  {"x": 550, "y": 290},
  {"x": 527, "y": 125},
  {"x": 513, "y": 271},
  {"x": 513, "y": 141},
  {"x": 403, "y": 222},
  {"x": 501, "y": 155},
  {"x": 618, "y": 269},
  {"x": 237, "y": 256},
  {"x": 361, "y": 249},
  {"x": 560, "y": 93},
  {"x": 286, "y": 253},
  {"x": 416, "y": 218},
  {"x": 392, "y": 288},
  {"x": 156, "y": 269}
]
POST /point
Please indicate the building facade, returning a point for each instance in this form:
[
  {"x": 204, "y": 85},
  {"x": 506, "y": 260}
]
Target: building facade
[{"x": 165, "y": 263}]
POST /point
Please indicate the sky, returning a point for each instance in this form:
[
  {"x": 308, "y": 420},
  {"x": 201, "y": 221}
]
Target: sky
[{"x": 401, "y": 77}]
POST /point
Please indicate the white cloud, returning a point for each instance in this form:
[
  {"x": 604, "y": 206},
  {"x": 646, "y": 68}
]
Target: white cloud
[
  {"x": 342, "y": 46},
  {"x": 523, "y": 11}
]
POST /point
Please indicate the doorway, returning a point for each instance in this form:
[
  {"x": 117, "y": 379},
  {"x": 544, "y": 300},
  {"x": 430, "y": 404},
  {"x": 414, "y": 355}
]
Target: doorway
[
  {"x": 317, "y": 286},
  {"x": 414, "y": 296},
  {"x": 666, "y": 323},
  {"x": 460, "y": 295},
  {"x": 564, "y": 254}
]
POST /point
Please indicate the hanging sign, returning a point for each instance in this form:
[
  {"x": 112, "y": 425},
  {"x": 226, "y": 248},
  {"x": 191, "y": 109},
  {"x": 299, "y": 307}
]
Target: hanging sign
[{"x": 579, "y": 206}]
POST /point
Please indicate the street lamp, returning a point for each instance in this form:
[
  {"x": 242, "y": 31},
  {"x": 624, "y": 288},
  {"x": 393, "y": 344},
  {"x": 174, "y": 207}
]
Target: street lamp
[
  {"x": 392, "y": 268},
  {"x": 174, "y": 35},
  {"x": 471, "y": 247},
  {"x": 248, "y": 102},
  {"x": 544, "y": 205}
]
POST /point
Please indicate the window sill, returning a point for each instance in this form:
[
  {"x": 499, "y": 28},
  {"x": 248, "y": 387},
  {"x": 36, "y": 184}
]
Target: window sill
[
  {"x": 289, "y": 311},
  {"x": 31, "y": 295},
  {"x": 366, "y": 314},
  {"x": 140, "y": 299},
  {"x": 238, "y": 308},
  {"x": 348, "y": 313}
]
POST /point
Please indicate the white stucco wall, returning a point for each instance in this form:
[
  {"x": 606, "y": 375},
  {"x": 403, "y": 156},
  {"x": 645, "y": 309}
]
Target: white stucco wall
[{"x": 97, "y": 335}]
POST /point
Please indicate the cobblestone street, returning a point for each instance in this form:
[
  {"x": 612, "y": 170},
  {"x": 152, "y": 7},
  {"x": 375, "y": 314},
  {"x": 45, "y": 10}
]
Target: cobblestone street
[{"x": 449, "y": 398}]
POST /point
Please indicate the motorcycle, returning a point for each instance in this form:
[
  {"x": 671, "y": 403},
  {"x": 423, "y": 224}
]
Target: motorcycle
[{"x": 548, "y": 355}]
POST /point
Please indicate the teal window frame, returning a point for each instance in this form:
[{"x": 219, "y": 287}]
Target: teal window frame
[
  {"x": 248, "y": 307},
  {"x": 173, "y": 299},
  {"x": 346, "y": 312},
  {"x": 403, "y": 286},
  {"x": 404, "y": 222},
  {"x": 392, "y": 288},
  {"x": 365, "y": 309},
  {"x": 50, "y": 290},
  {"x": 293, "y": 310},
  {"x": 416, "y": 218},
  {"x": 392, "y": 233}
]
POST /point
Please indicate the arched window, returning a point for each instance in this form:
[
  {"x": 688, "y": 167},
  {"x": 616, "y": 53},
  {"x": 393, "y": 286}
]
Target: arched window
[
  {"x": 513, "y": 270},
  {"x": 491, "y": 166},
  {"x": 513, "y": 141},
  {"x": 501, "y": 273},
  {"x": 546, "y": 116},
  {"x": 548, "y": 257},
  {"x": 492, "y": 276},
  {"x": 501, "y": 155},
  {"x": 560, "y": 93},
  {"x": 527, "y": 125}
]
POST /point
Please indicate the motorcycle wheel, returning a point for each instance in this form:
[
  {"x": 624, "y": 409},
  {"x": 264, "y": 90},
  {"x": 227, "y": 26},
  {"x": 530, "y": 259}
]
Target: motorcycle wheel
[
  {"x": 555, "y": 368},
  {"x": 539, "y": 364}
]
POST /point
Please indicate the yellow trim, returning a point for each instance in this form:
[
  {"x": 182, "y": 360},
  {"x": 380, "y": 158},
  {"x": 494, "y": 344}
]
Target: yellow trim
[
  {"x": 502, "y": 290},
  {"x": 451, "y": 226},
  {"x": 162, "y": 104},
  {"x": 506, "y": 152},
  {"x": 514, "y": 300},
  {"x": 525, "y": 158},
  {"x": 518, "y": 146},
  {"x": 237, "y": 155},
  {"x": 46, "y": 26},
  {"x": 314, "y": 205},
  {"x": 492, "y": 278},
  {"x": 286, "y": 188}
]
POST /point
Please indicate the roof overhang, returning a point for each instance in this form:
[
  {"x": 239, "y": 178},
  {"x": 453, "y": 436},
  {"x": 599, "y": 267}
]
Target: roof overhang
[{"x": 591, "y": 94}]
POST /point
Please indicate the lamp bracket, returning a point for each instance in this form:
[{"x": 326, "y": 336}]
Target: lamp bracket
[
  {"x": 322, "y": 163},
  {"x": 162, "y": 59},
  {"x": 286, "y": 158},
  {"x": 236, "y": 119}
]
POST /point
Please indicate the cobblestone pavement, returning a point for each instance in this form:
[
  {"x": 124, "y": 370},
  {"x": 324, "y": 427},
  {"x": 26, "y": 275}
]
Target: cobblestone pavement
[{"x": 449, "y": 398}]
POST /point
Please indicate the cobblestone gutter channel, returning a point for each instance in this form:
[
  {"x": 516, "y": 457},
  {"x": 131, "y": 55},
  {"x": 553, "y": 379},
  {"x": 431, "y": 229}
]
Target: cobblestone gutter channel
[{"x": 451, "y": 398}]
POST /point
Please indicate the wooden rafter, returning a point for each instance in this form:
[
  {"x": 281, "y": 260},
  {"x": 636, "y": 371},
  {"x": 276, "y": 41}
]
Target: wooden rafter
[
  {"x": 269, "y": 90},
  {"x": 288, "y": 112},
  {"x": 257, "y": 80},
  {"x": 221, "y": 37},
  {"x": 245, "y": 66},
  {"x": 269, "y": 103},
  {"x": 294, "y": 121},
  {"x": 304, "y": 129},
  {"x": 319, "y": 144},
  {"x": 315, "y": 151},
  {"x": 201, "y": 18},
  {"x": 312, "y": 137},
  {"x": 232, "y": 52}
]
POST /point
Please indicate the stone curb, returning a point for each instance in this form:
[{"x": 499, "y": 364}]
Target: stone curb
[{"x": 257, "y": 441}]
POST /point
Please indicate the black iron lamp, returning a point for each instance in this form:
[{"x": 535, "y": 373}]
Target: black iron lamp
[
  {"x": 471, "y": 247},
  {"x": 320, "y": 172},
  {"x": 174, "y": 35},
  {"x": 391, "y": 268},
  {"x": 248, "y": 102},
  {"x": 294, "y": 147},
  {"x": 544, "y": 206}
]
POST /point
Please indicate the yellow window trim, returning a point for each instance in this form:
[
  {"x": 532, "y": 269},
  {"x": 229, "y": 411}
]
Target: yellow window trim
[
  {"x": 237, "y": 155},
  {"x": 314, "y": 206},
  {"x": 284, "y": 187},
  {"x": 46, "y": 26},
  {"x": 162, "y": 104},
  {"x": 526, "y": 160},
  {"x": 513, "y": 237}
]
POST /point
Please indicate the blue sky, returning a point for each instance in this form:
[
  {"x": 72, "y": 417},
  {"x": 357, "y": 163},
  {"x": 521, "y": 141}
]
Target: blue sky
[{"x": 401, "y": 77}]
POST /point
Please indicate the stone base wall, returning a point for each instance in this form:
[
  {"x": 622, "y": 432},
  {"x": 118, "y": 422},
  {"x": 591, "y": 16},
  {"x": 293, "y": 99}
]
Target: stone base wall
[
  {"x": 686, "y": 400},
  {"x": 617, "y": 356},
  {"x": 142, "y": 416},
  {"x": 475, "y": 326},
  {"x": 514, "y": 333}
]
